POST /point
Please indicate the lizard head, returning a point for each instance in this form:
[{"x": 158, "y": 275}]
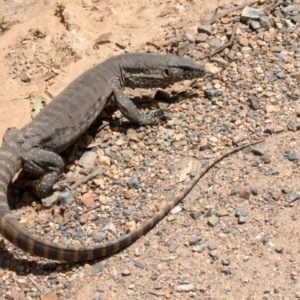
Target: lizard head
[{"x": 153, "y": 70}]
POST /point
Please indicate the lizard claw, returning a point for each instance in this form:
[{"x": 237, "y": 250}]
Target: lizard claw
[{"x": 161, "y": 115}]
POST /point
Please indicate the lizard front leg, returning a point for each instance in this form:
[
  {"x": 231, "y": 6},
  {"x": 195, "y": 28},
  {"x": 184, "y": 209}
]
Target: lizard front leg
[
  {"x": 132, "y": 113},
  {"x": 45, "y": 163}
]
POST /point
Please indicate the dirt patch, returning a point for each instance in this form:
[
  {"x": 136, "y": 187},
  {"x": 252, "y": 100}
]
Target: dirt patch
[{"x": 236, "y": 234}]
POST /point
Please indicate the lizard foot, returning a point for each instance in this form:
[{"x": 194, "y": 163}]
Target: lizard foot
[{"x": 160, "y": 115}]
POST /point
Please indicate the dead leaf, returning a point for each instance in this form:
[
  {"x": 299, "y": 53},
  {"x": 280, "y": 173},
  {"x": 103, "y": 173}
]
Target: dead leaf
[{"x": 185, "y": 171}]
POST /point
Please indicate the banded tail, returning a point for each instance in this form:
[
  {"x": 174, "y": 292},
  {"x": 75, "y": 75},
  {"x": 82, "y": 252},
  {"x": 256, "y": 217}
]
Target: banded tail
[{"x": 35, "y": 245}]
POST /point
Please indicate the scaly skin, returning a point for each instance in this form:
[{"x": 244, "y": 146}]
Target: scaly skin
[{"x": 65, "y": 119}]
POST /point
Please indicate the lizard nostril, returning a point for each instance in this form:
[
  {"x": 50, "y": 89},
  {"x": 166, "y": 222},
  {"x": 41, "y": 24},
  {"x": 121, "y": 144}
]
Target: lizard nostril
[{"x": 167, "y": 72}]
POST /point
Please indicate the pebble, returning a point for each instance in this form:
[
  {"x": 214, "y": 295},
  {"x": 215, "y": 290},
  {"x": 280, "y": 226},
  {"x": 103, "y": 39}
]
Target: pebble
[
  {"x": 258, "y": 150},
  {"x": 250, "y": 13},
  {"x": 98, "y": 237},
  {"x": 66, "y": 198},
  {"x": 139, "y": 265},
  {"x": 205, "y": 28},
  {"x": 51, "y": 200},
  {"x": 202, "y": 37},
  {"x": 126, "y": 272},
  {"x": 133, "y": 183},
  {"x": 245, "y": 192},
  {"x": 276, "y": 195},
  {"x": 292, "y": 125},
  {"x": 110, "y": 227},
  {"x": 242, "y": 219},
  {"x": 290, "y": 155},
  {"x": 213, "y": 221},
  {"x": 88, "y": 199},
  {"x": 104, "y": 161},
  {"x": 293, "y": 197},
  {"x": 241, "y": 212},
  {"x": 184, "y": 287},
  {"x": 195, "y": 215},
  {"x": 198, "y": 248},
  {"x": 222, "y": 212},
  {"x": 225, "y": 262},
  {"x": 87, "y": 160},
  {"x": 212, "y": 246},
  {"x": 195, "y": 241}
]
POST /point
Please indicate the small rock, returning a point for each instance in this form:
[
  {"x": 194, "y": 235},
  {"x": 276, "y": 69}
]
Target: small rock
[
  {"x": 242, "y": 219},
  {"x": 254, "y": 104},
  {"x": 226, "y": 262},
  {"x": 139, "y": 265},
  {"x": 210, "y": 93},
  {"x": 172, "y": 248},
  {"x": 265, "y": 22},
  {"x": 51, "y": 200},
  {"x": 137, "y": 252},
  {"x": 213, "y": 221},
  {"x": 25, "y": 77},
  {"x": 226, "y": 271},
  {"x": 277, "y": 48},
  {"x": 88, "y": 199},
  {"x": 133, "y": 183},
  {"x": 214, "y": 254},
  {"x": 245, "y": 192},
  {"x": 279, "y": 249},
  {"x": 127, "y": 153},
  {"x": 198, "y": 248},
  {"x": 286, "y": 191},
  {"x": 259, "y": 150},
  {"x": 110, "y": 227},
  {"x": 293, "y": 197},
  {"x": 222, "y": 212},
  {"x": 212, "y": 68},
  {"x": 87, "y": 160},
  {"x": 104, "y": 161},
  {"x": 158, "y": 285},
  {"x": 250, "y": 13},
  {"x": 276, "y": 195},
  {"x": 241, "y": 212},
  {"x": 66, "y": 198},
  {"x": 176, "y": 210},
  {"x": 205, "y": 28},
  {"x": 126, "y": 272},
  {"x": 195, "y": 241},
  {"x": 272, "y": 108},
  {"x": 202, "y": 37},
  {"x": 98, "y": 237},
  {"x": 212, "y": 246},
  {"x": 290, "y": 155},
  {"x": 104, "y": 38},
  {"x": 184, "y": 288},
  {"x": 131, "y": 225},
  {"x": 195, "y": 215},
  {"x": 254, "y": 25}
]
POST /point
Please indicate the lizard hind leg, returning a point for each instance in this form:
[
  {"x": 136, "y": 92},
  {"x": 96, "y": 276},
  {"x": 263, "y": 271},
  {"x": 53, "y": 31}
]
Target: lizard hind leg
[{"x": 47, "y": 164}]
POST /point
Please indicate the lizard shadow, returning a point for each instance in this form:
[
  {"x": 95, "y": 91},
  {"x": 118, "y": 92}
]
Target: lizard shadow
[{"x": 17, "y": 200}]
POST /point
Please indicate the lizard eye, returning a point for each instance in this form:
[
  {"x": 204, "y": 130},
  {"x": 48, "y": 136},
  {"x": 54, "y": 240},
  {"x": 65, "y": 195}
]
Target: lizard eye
[{"x": 167, "y": 72}]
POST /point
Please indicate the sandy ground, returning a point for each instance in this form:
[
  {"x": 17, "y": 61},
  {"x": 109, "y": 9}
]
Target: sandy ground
[{"x": 126, "y": 26}]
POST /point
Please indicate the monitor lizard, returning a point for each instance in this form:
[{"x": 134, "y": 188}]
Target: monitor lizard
[{"x": 36, "y": 146}]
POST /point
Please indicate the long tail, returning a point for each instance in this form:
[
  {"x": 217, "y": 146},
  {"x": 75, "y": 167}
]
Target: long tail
[{"x": 35, "y": 245}]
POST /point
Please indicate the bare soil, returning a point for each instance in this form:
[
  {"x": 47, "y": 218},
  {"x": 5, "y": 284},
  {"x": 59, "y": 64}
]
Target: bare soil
[{"x": 257, "y": 270}]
